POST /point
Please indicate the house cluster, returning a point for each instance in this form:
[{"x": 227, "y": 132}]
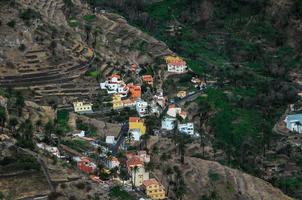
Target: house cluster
[
  {"x": 130, "y": 95},
  {"x": 169, "y": 122},
  {"x": 124, "y": 95},
  {"x": 176, "y": 65}
]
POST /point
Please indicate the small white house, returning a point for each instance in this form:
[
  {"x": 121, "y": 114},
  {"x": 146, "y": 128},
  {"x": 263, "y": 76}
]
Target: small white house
[
  {"x": 141, "y": 108},
  {"x": 52, "y": 150},
  {"x": 168, "y": 123},
  {"x": 294, "y": 122},
  {"x": 135, "y": 134},
  {"x": 110, "y": 140},
  {"x": 81, "y": 107},
  {"x": 187, "y": 128},
  {"x": 79, "y": 134}
]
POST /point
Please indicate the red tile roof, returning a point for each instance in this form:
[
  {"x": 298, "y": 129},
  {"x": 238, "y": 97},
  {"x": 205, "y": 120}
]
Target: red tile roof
[
  {"x": 151, "y": 181},
  {"x": 135, "y": 119},
  {"x": 115, "y": 76},
  {"x": 178, "y": 63},
  {"x": 134, "y": 161},
  {"x": 147, "y": 78}
]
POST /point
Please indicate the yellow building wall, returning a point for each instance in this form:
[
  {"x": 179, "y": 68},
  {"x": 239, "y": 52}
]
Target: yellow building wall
[
  {"x": 138, "y": 125},
  {"x": 156, "y": 192}
]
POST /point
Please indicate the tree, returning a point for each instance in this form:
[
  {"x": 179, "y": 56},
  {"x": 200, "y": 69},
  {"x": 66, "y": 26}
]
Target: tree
[
  {"x": 53, "y": 46},
  {"x": 13, "y": 122},
  {"x": 2, "y": 116},
  {"x": 182, "y": 140},
  {"x": 88, "y": 29},
  {"x": 25, "y": 134},
  {"x": 99, "y": 151},
  {"x": 123, "y": 174},
  {"x": 69, "y": 6},
  {"x": 49, "y": 130},
  {"x": 19, "y": 103},
  {"x": 298, "y": 124},
  {"x": 114, "y": 171},
  {"x": 144, "y": 141},
  {"x": 134, "y": 171}
]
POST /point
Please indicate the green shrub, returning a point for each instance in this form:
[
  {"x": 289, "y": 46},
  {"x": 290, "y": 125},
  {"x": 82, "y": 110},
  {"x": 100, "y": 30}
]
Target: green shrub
[
  {"x": 29, "y": 14},
  {"x": 214, "y": 177},
  {"x": 120, "y": 194},
  {"x": 11, "y": 23}
]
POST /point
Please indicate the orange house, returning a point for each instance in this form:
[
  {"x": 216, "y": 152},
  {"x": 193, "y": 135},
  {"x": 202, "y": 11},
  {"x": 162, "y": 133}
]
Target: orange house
[{"x": 135, "y": 90}]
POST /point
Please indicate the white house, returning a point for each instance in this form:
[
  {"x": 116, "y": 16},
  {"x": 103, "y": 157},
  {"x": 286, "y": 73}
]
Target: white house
[
  {"x": 173, "y": 111},
  {"x": 141, "y": 107},
  {"x": 114, "y": 85},
  {"x": 135, "y": 134},
  {"x": 177, "y": 66},
  {"x": 294, "y": 122},
  {"x": 187, "y": 128},
  {"x": 110, "y": 140},
  {"x": 81, "y": 107},
  {"x": 79, "y": 134},
  {"x": 53, "y": 150},
  {"x": 168, "y": 123}
]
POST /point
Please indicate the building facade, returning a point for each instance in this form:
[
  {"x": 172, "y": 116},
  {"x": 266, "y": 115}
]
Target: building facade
[
  {"x": 81, "y": 107},
  {"x": 137, "y": 126},
  {"x": 141, "y": 108},
  {"x": 187, "y": 128},
  {"x": 154, "y": 189},
  {"x": 294, "y": 122}
]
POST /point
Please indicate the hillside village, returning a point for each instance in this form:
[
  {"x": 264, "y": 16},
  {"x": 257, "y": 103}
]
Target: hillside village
[{"x": 94, "y": 108}]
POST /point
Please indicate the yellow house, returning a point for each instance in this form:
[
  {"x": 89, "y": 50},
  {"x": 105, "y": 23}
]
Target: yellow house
[
  {"x": 81, "y": 107},
  {"x": 154, "y": 189},
  {"x": 170, "y": 59},
  {"x": 117, "y": 102},
  {"x": 137, "y": 123}
]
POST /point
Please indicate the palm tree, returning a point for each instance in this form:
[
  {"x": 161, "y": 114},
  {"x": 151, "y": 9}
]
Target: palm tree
[
  {"x": 144, "y": 141},
  {"x": 53, "y": 46},
  {"x": 38, "y": 124},
  {"x": 134, "y": 171},
  {"x": 2, "y": 116},
  {"x": 25, "y": 134},
  {"x": 13, "y": 123},
  {"x": 99, "y": 151},
  {"x": 114, "y": 171},
  {"x": 168, "y": 173},
  {"x": 298, "y": 124},
  {"x": 19, "y": 103},
  {"x": 49, "y": 130},
  {"x": 123, "y": 175}
]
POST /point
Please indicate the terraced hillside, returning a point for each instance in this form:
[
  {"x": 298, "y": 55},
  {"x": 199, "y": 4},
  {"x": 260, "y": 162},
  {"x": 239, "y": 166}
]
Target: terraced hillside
[{"x": 43, "y": 51}]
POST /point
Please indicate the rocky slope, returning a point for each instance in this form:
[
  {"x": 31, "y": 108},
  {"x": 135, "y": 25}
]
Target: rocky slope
[
  {"x": 209, "y": 179},
  {"x": 199, "y": 178}
]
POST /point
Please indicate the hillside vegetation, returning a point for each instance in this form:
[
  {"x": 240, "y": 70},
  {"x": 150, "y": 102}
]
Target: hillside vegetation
[{"x": 250, "y": 47}]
